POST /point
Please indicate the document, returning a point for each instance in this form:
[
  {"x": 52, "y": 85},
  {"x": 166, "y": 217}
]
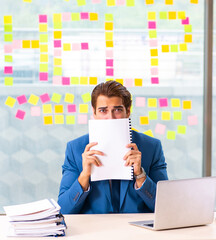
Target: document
[{"x": 112, "y": 136}]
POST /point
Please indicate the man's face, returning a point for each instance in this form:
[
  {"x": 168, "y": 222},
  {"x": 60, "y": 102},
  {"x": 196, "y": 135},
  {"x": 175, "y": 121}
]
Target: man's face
[{"x": 110, "y": 108}]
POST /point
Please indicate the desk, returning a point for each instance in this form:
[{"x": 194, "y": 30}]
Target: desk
[{"x": 116, "y": 227}]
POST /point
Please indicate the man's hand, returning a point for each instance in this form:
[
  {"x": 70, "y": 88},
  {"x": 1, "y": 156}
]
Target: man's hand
[
  {"x": 88, "y": 158},
  {"x": 133, "y": 158}
]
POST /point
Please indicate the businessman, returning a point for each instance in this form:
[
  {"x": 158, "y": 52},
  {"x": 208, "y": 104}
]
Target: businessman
[{"x": 111, "y": 100}]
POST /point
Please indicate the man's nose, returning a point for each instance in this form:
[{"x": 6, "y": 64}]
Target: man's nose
[{"x": 110, "y": 115}]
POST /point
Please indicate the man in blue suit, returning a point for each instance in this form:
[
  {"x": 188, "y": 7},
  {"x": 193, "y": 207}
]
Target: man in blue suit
[{"x": 111, "y": 100}]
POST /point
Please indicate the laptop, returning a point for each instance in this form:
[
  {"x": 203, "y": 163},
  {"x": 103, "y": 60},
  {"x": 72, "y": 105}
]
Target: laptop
[{"x": 182, "y": 203}]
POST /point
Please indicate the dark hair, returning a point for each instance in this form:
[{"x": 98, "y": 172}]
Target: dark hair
[{"x": 111, "y": 89}]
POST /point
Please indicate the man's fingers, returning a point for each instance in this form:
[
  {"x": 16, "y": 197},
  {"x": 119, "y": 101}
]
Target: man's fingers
[{"x": 88, "y": 146}]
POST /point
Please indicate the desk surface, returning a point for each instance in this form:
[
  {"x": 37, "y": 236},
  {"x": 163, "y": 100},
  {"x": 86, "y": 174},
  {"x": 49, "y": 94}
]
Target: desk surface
[{"x": 116, "y": 227}]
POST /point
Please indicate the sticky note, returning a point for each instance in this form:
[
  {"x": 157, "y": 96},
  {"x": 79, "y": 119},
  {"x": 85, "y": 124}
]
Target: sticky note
[
  {"x": 8, "y": 58},
  {"x": 128, "y": 82},
  {"x": 47, "y": 108},
  {"x": 152, "y": 102},
  {"x": 185, "y": 21},
  {"x": 109, "y": 53},
  {"x": 175, "y": 103},
  {"x": 152, "y": 115},
  {"x": 57, "y": 43},
  {"x": 174, "y": 47},
  {"x": 108, "y": 17},
  {"x": 165, "y": 116},
  {"x": 65, "y": 81},
  {"x": 43, "y": 48},
  {"x": 81, "y": 2},
  {"x": 43, "y": 18},
  {"x": 108, "y": 26},
  {"x": 44, "y": 98},
  {"x": 152, "y": 34},
  {"x": 8, "y": 81},
  {"x": 43, "y": 27},
  {"x": 57, "y": 25},
  {"x": 86, "y": 97},
  {"x": 57, "y": 71},
  {"x": 154, "y": 80},
  {"x": 120, "y": 2},
  {"x": 186, "y": 104},
  {"x": 169, "y": 2},
  {"x": 22, "y": 99},
  {"x": 109, "y": 72},
  {"x": 43, "y": 38},
  {"x": 43, "y": 57},
  {"x": 83, "y": 80},
  {"x": 160, "y": 129},
  {"x": 153, "y": 52},
  {"x": 130, "y": 3},
  {"x": 188, "y": 38},
  {"x": 194, "y": 1},
  {"x": 56, "y": 97},
  {"x": 110, "y": 3},
  {"x": 109, "y": 36},
  {"x": 171, "y": 135},
  {"x": 149, "y": 1},
  {"x": 82, "y": 119},
  {"x": 8, "y": 48},
  {"x": 57, "y": 17},
  {"x": 70, "y": 119},
  {"x": 140, "y": 102},
  {"x": 120, "y": 81},
  {"x": 43, "y": 76},
  {"x": 76, "y": 46},
  {"x": 163, "y": 15},
  {"x": 154, "y": 61},
  {"x": 75, "y": 80},
  {"x": 35, "y": 111},
  {"x": 75, "y": 16},
  {"x": 188, "y": 28},
  {"x": 8, "y": 70},
  {"x": 172, "y": 15},
  {"x": 8, "y": 37},
  {"x": 181, "y": 15},
  {"x": 58, "y": 109},
  {"x": 84, "y": 46},
  {"x": 138, "y": 82},
  {"x": 93, "y": 16},
  {"x": 181, "y": 129},
  {"x": 192, "y": 120},
  {"x": 71, "y": 108},
  {"x": 35, "y": 44},
  {"x": 151, "y": 24},
  {"x": 165, "y": 48},
  {"x": 48, "y": 120},
  {"x": 8, "y": 19},
  {"x": 144, "y": 120},
  {"x": 109, "y": 62},
  {"x": 44, "y": 67},
  {"x": 33, "y": 99},
  {"x": 20, "y": 114},
  {"x": 66, "y": 17},
  {"x": 151, "y": 15},
  {"x": 26, "y": 43},
  {"x": 8, "y": 28},
  {"x": 83, "y": 108},
  {"x": 57, "y": 34},
  {"x": 84, "y": 15},
  {"x": 163, "y": 102},
  {"x": 69, "y": 98},
  {"x": 183, "y": 47},
  {"x": 109, "y": 44},
  {"x": 92, "y": 80},
  {"x": 149, "y": 133},
  {"x": 10, "y": 101},
  {"x": 57, "y": 61},
  {"x": 154, "y": 71},
  {"x": 177, "y": 115}
]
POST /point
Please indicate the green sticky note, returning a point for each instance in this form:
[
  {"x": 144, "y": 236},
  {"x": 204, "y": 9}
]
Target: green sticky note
[
  {"x": 43, "y": 38},
  {"x": 130, "y": 3},
  {"x": 108, "y": 17},
  {"x": 188, "y": 28},
  {"x": 163, "y": 15},
  {"x": 56, "y": 97},
  {"x": 86, "y": 97},
  {"x": 181, "y": 129},
  {"x": 57, "y": 25},
  {"x": 8, "y": 81},
  {"x": 81, "y": 2},
  {"x": 75, "y": 80},
  {"x": 152, "y": 115},
  {"x": 70, "y": 119},
  {"x": 152, "y": 34},
  {"x": 8, "y": 58},
  {"x": 57, "y": 71},
  {"x": 174, "y": 47},
  {"x": 177, "y": 115},
  {"x": 8, "y": 37},
  {"x": 171, "y": 135},
  {"x": 75, "y": 16},
  {"x": 43, "y": 67},
  {"x": 8, "y": 28}
]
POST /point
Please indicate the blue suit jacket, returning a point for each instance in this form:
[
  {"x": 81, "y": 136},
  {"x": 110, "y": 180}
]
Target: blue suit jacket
[{"x": 72, "y": 199}]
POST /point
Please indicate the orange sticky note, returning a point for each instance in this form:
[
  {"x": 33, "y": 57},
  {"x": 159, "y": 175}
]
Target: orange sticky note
[
  {"x": 92, "y": 80},
  {"x": 149, "y": 2},
  {"x": 59, "y": 108},
  {"x": 108, "y": 26},
  {"x": 154, "y": 52},
  {"x": 48, "y": 120},
  {"x": 57, "y": 34},
  {"x": 188, "y": 38},
  {"x": 138, "y": 82},
  {"x": 93, "y": 16},
  {"x": 35, "y": 44},
  {"x": 165, "y": 48},
  {"x": 169, "y": 2},
  {"x": 26, "y": 44},
  {"x": 187, "y": 104},
  {"x": 172, "y": 15},
  {"x": 144, "y": 120}
]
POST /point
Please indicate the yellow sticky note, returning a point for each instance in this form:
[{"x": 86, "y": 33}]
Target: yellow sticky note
[
  {"x": 47, "y": 108},
  {"x": 172, "y": 15},
  {"x": 42, "y": 27},
  {"x": 57, "y": 71},
  {"x": 56, "y": 97},
  {"x": 171, "y": 135},
  {"x": 35, "y": 43},
  {"x": 26, "y": 44},
  {"x": 57, "y": 61},
  {"x": 84, "y": 80},
  {"x": 74, "y": 80},
  {"x": 149, "y": 1},
  {"x": 152, "y": 115},
  {"x": 109, "y": 17},
  {"x": 175, "y": 102},
  {"x": 111, "y": 3},
  {"x": 43, "y": 57},
  {"x": 174, "y": 47},
  {"x": 165, "y": 115},
  {"x": 152, "y": 34},
  {"x": 183, "y": 47},
  {"x": 69, "y": 98},
  {"x": 70, "y": 119},
  {"x": 194, "y": 1},
  {"x": 10, "y": 101},
  {"x": 154, "y": 52},
  {"x": 28, "y": 1},
  {"x": 57, "y": 25},
  {"x": 108, "y": 26},
  {"x": 8, "y": 19},
  {"x": 59, "y": 109},
  {"x": 33, "y": 99},
  {"x": 93, "y": 16},
  {"x": 188, "y": 38},
  {"x": 43, "y": 48},
  {"x": 130, "y": 3},
  {"x": 57, "y": 34},
  {"x": 75, "y": 16},
  {"x": 81, "y": 2},
  {"x": 138, "y": 82},
  {"x": 181, "y": 129},
  {"x": 83, "y": 108},
  {"x": 43, "y": 38},
  {"x": 144, "y": 120},
  {"x": 165, "y": 48},
  {"x": 169, "y": 2},
  {"x": 86, "y": 97},
  {"x": 188, "y": 28},
  {"x": 154, "y": 61},
  {"x": 8, "y": 81},
  {"x": 186, "y": 104},
  {"x": 67, "y": 47},
  {"x": 181, "y": 15},
  {"x": 8, "y": 37},
  {"x": 152, "y": 102},
  {"x": 109, "y": 36},
  {"x": 120, "y": 81},
  {"x": 59, "y": 119},
  {"x": 177, "y": 115},
  {"x": 92, "y": 80},
  {"x": 43, "y": 67},
  {"x": 163, "y": 15},
  {"x": 151, "y": 15},
  {"x": 48, "y": 120},
  {"x": 109, "y": 44},
  {"x": 57, "y": 17},
  {"x": 149, "y": 133}
]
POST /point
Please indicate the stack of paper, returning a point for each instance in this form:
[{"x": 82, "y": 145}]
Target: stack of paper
[{"x": 36, "y": 219}]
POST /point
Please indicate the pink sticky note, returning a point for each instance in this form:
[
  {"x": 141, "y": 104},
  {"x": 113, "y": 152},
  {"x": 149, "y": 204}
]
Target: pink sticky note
[
  {"x": 66, "y": 17},
  {"x": 151, "y": 24},
  {"x": 192, "y": 120},
  {"x": 8, "y": 70},
  {"x": 154, "y": 80},
  {"x": 96, "y": 1},
  {"x": 65, "y": 81},
  {"x": 57, "y": 80},
  {"x": 8, "y": 48},
  {"x": 128, "y": 82},
  {"x": 57, "y": 52},
  {"x": 153, "y": 42},
  {"x": 120, "y": 2},
  {"x": 154, "y": 71},
  {"x": 82, "y": 119},
  {"x": 44, "y": 98},
  {"x": 17, "y": 44},
  {"x": 43, "y": 18},
  {"x": 57, "y": 43},
  {"x": 76, "y": 46},
  {"x": 109, "y": 62},
  {"x": 84, "y": 15},
  {"x": 71, "y": 108},
  {"x": 20, "y": 114},
  {"x": 163, "y": 102},
  {"x": 43, "y": 76},
  {"x": 109, "y": 72},
  {"x": 22, "y": 99},
  {"x": 140, "y": 102},
  {"x": 109, "y": 53},
  {"x": 84, "y": 46},
  {"x": 35, "y": 111},
  {"x": 185, "y": 21},
  {"x": 160, "y": 129}
]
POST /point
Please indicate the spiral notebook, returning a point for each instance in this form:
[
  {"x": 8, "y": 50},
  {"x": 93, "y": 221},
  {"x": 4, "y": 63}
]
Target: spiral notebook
[{"x": 112, "y": 136}]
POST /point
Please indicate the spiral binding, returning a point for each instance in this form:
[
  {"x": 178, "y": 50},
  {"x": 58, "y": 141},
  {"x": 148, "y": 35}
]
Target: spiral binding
[{"x": 130, "y": 130}]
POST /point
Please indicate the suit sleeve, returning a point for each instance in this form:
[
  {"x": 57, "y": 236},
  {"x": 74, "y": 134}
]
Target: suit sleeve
[
  {"x": 71, "y": 195},
  {"x": 156, "y": 172}
]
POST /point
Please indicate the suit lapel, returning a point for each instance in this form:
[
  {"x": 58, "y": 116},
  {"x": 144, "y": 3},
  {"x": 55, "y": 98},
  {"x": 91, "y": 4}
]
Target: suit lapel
[
  {"x": 106, "y": 187},
  {"x": 123, "y": 190}
]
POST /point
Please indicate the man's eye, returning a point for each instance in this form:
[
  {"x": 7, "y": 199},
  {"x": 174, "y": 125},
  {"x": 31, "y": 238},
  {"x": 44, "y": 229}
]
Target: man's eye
[
  {"x": 102, "y": 110},
  {"x": 118, "y": 109}
]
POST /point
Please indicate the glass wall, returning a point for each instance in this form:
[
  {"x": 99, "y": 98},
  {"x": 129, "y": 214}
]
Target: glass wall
[{"x": 54, "y": 52}]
